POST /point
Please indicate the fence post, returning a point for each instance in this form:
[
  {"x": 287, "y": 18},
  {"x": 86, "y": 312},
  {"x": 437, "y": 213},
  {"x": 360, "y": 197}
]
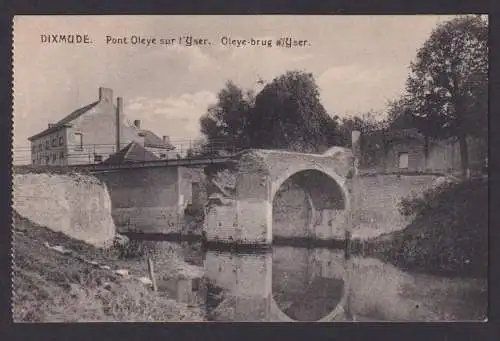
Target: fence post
[{"x": 152, "y": 276}]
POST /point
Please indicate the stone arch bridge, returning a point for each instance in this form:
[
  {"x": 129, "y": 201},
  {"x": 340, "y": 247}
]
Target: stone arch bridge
[{"x": 248, "y": 193}]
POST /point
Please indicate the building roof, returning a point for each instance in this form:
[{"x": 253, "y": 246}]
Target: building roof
[
  {"x": 153, "y": 140},
  {"x": 133, "y": 152},
  {"x": 65, "y": 121}
]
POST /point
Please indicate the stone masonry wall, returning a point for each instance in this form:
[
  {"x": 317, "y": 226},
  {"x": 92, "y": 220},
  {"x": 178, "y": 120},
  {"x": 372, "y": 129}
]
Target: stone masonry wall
[
  {"x": 378, "y": 203},
  {"x": 76, "y": 205},
  {"x": 144, "y": 200}
]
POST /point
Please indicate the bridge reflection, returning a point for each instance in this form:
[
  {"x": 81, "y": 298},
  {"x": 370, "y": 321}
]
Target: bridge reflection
[
  {"x": 319, "y": 284},
  {"x": 287, "y": 284}
]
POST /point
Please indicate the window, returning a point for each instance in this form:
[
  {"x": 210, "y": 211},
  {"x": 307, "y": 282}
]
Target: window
[
  {"x": 61, "y": 140},
  {"x": 61, "y": 155},
  {"x": 53, "y": 143},
  {"x": 78, "y": 141},
  {"x": 40, "y": 147},
  {"x": 54, "y": 157},
  {"x": 403, "y": 161},
  {"x": 46, "y": 144}
]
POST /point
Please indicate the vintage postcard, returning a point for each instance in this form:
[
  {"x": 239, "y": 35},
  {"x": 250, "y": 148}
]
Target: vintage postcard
[{"x": 250, "y": 168}]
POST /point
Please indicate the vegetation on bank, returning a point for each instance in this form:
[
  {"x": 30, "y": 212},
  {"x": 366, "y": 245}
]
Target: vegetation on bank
[
  {"x": 449, "y": 234},
  {"x": 52, "y": 287}
]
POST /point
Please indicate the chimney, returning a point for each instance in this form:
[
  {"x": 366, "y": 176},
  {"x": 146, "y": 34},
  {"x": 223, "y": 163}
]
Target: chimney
[
  {"x": 119, "y": 112},
  {"x": 105, "y": 95},
  {"x": 51, "y": 125},
  {"x": 137, "y": 124},
  {"x": 166, "y": 139}
]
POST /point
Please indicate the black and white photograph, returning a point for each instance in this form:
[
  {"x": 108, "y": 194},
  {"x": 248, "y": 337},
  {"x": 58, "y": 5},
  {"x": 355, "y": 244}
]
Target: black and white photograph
[{"x": 250, "y": 168}]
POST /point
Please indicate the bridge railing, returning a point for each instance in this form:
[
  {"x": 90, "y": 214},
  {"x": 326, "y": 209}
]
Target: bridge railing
[{"x": 175, "y": 149}]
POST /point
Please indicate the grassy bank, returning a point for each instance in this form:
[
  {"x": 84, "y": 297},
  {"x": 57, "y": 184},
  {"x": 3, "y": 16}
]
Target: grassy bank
[
  {"x": 449, "y": 234},
  {"x": 53, "y": 287}
]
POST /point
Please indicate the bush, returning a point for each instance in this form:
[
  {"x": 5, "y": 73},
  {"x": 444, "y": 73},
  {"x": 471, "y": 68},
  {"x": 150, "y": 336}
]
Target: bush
[
  {"x": 137, "y": 248},
  {"x": 449, "y": 234},
  {"x": 414, "y": 204}
]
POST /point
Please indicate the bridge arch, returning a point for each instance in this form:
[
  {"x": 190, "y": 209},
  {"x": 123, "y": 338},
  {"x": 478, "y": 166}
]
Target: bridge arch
[
  {"x": 326, "y": 196},
  {"x": 247, "y": 214}
]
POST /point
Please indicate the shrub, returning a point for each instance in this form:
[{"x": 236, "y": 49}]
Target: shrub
[
  {"x": 415, "y": 204},
  {"x": 137, "y": 248},
  {"x": 449, "y": 233}
]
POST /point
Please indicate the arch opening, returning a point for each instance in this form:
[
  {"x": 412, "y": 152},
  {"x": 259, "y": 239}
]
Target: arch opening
[{"x": 308, "y": 205}]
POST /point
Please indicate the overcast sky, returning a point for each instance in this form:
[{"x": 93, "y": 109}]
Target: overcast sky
[{"x": 359, "y": 63}]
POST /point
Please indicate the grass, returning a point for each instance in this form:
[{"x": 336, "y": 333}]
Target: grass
[
  {"x": 448, "y": 236},
  {"x": 52, "y": 287}
]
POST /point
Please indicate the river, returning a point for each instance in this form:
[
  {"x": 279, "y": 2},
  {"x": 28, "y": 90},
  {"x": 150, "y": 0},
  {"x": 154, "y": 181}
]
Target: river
[{"x": 289, "y": 283}]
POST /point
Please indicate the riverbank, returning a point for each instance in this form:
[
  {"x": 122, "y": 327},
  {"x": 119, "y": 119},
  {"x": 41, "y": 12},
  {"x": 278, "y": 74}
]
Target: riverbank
[
  {"x": 448, "y": 236},
  {"x": 51, "y": 286}
]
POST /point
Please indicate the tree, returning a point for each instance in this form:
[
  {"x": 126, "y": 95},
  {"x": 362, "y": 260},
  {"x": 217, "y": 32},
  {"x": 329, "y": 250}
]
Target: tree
[
  {"x": 366, "y": 123},
  {"x": 224, "y": 123},
  {"x": 447, "y": 86},
  {"x": 197, "y": 148},
  {"x": 288, "y": 115},
  {"x": 372, "y": 125}
]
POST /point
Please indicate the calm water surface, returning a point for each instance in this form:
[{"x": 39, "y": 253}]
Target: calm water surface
[{"x": 318, "y": 284}]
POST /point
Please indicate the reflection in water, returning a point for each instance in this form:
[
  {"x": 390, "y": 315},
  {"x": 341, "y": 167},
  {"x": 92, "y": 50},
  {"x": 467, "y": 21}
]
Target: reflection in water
[
  {"x": 300, "y": 284},
  {"x": 307, "y": 284}
]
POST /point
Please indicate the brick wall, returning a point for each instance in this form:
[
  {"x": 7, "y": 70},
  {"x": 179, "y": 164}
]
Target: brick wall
[
  {"x": 378, "y": 202},
  {"x": 415, "y": 151},
  {"x": 144, "y": 199},
  {"x": 150, "y": 200},
  {"x": 443, "y": 155}
]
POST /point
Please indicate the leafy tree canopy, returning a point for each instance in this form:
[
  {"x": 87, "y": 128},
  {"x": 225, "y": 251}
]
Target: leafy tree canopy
[
  {"x": 285, "y": 114},
  {"x": 226, "y": 120},
  {"x": 288, "y": 114},
  {"x": 448, "y": 83}
]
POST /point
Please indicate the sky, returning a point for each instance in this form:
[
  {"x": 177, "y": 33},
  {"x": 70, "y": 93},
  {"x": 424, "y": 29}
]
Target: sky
[{"x": 359, "y": 63}]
